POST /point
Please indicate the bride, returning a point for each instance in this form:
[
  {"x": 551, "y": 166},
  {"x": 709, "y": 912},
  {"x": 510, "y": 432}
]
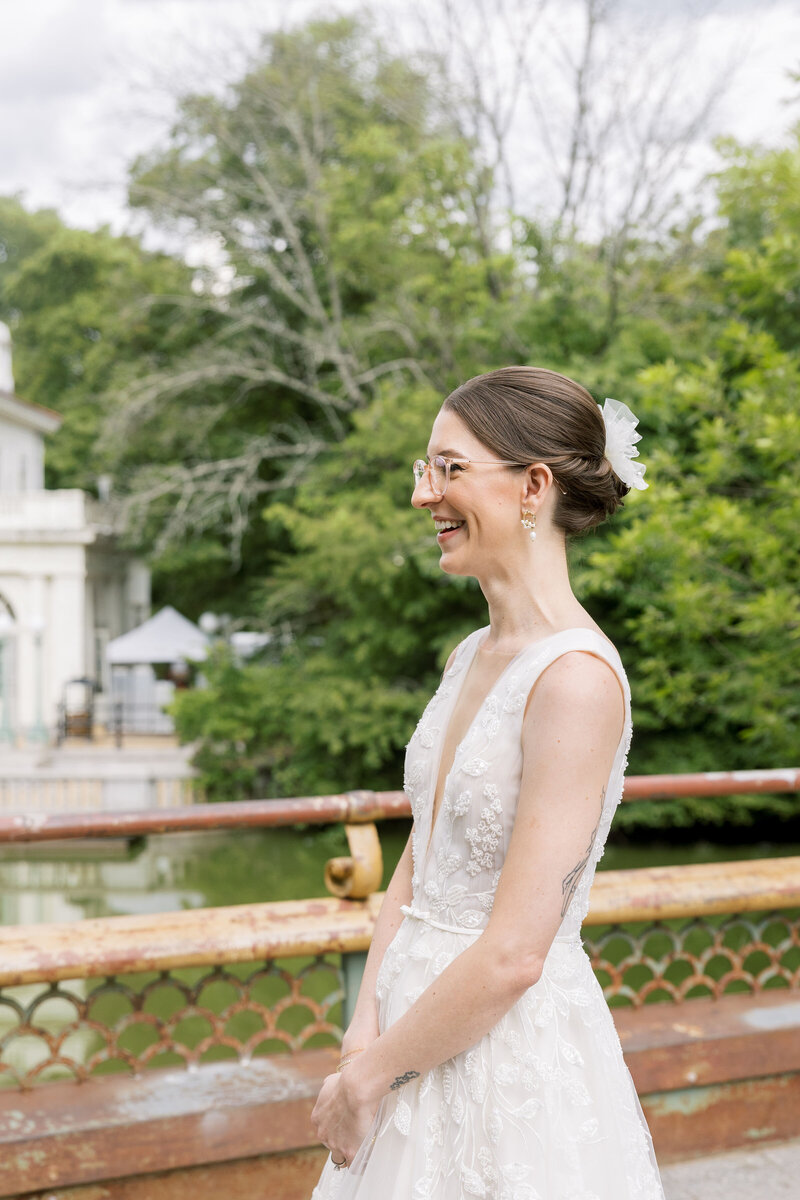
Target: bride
[{"x": 482, "y": 1058}]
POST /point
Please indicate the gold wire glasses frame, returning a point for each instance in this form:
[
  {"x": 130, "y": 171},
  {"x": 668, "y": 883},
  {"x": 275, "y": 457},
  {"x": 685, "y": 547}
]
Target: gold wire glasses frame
[{"x": 438, "y": 469}]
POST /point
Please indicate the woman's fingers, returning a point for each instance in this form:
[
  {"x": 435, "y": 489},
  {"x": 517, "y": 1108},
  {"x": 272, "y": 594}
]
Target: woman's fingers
[
  {"x": 318, "y": 1122},
  {"x": 337, "y": 1127}
]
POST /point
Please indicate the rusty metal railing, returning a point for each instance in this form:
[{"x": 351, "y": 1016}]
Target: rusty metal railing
[
  {"x": 125, "y": 993},
  {"x": 130, "y": 993},
  {"x": 356, "y": 807}
]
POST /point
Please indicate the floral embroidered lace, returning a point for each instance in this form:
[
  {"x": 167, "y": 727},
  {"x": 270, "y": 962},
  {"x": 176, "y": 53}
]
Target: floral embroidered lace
[{"x": 543, "y": 1107}]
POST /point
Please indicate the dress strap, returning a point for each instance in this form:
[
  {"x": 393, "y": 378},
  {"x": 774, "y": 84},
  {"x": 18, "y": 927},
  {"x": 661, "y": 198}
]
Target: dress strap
[
  {"x": 540, "y": 656},
  {"x": 578, "y": 638}
]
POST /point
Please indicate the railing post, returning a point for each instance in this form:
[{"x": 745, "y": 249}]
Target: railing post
[
  {"x": 355, "y": 877},
  {"x": 360, "y": 873}
]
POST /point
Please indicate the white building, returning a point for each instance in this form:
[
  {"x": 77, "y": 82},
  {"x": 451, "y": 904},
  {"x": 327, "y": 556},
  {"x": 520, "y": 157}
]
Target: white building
[{"x": 66, "y": 587}]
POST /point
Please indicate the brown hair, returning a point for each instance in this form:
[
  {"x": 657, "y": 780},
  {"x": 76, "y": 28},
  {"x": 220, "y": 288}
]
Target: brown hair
[{"x": 530, "y": 415}]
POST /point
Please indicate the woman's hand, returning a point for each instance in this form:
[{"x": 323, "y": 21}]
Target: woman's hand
[{"x": 340, "y": 1119}]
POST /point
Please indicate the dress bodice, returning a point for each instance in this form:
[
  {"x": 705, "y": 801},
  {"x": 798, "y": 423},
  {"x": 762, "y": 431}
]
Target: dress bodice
[{"x": 455, "y": 877}]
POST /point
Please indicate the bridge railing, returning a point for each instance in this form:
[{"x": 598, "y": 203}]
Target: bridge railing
[
  {"x": 700, "y": 964},
  {"x": 182, "y": 988},
  {"x": 347, "y": 807}
]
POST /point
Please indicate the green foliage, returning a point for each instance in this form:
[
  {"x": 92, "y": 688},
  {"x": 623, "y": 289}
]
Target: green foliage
[
  {"x": 364, "y": 593},
  {"x": 344, "y": 201},
  {"x": 696, "y": 580},
  {"x": 83, "y": 317},
  {"x": 704, "y": 582},
  {"x": 760, "y": 199},
  {"x": 368, "y": 274}
]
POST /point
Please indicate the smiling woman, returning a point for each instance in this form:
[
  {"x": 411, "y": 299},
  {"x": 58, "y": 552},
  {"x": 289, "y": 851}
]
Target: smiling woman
[{"x": 482, "y": 1059}]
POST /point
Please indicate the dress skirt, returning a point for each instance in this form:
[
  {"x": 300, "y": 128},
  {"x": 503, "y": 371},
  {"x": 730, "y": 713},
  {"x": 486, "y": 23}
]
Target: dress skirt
[{"x": 541, "y": 1108}]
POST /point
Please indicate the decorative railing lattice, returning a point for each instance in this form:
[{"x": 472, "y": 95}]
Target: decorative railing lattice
[
  {"x": 79, "y": 1028},
  {"x": 186, "y": 1016},
  {"x": 699, "y": 956}
]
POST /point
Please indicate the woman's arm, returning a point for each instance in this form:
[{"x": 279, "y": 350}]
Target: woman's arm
[
  {"x": 570, "y": 735},
  {"x": 363, "y": 1028}
]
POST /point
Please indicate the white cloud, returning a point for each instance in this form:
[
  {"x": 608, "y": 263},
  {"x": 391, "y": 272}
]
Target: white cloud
[{"x": 85, "y": 85}]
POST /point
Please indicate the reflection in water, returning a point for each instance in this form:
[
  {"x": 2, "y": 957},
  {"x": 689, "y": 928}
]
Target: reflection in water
[
  {"x": 70, "y": 880},
  {"x": 67, "y": 881}
]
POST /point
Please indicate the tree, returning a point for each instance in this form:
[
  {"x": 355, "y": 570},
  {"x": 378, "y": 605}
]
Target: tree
[
  {"x": 588, "y": 117},
  {"x": 760, "y": 201},
  {"x": 351, "y": 193},
  {"x": 87, "y": 310},
  {"x": 339, "y": 197},
  {"x": 696, "y": 580},
  {"x": 705, "y": 584}
]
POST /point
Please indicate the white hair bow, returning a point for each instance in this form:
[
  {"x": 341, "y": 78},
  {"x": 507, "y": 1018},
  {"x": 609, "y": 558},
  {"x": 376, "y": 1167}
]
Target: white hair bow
[{"x": 621, "y": 437}]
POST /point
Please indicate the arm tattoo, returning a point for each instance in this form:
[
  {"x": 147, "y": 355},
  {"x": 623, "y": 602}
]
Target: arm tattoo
[
  {"x": 571, "y": 880},
  {"x": 401, "y": 1079}
]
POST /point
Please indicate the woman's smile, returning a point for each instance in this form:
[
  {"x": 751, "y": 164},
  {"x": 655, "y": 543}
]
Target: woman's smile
[{"x": 447, "y": 528}]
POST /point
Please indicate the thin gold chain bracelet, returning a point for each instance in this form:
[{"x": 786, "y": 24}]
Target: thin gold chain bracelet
[{"x": 346, "y": 1058}]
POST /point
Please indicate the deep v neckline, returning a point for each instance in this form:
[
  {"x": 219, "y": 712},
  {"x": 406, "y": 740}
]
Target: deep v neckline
[{"x": 478, "y": 712}]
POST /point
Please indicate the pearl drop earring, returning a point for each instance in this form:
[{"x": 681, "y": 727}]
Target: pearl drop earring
[{"x": 529, "y": 521}]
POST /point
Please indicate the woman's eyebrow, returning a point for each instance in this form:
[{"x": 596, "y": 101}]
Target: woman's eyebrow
[{"x": 452, "y": 453}]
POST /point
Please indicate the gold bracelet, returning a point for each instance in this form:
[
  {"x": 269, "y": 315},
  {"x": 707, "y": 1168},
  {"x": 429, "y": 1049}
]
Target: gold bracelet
[
  {"x": 349, "y": 1053},
  {"x": 346, "y": 1058}
]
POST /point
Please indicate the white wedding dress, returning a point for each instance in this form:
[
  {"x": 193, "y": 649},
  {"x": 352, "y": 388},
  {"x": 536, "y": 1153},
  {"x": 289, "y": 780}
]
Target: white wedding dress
[{"x": 543, "y": 1107}]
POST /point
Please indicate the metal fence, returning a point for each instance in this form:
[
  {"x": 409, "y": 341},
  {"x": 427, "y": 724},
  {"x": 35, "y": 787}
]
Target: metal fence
[{"x": 129, "y": 993}]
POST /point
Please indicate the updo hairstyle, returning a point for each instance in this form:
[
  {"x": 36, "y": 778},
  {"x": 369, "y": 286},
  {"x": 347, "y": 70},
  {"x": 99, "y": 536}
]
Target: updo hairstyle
[{"x": 531, "y": 415}]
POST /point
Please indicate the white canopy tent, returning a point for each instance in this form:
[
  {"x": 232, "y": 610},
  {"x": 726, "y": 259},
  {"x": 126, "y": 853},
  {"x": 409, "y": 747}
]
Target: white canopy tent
[
  {"x": 167, "y": 637},
  {"x": 139, "y": 698}
]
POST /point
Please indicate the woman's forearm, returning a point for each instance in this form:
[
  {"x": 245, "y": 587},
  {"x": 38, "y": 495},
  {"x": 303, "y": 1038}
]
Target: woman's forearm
[
  {"x": 459, "y": 1008},
  {"x": 386, "y": 925}
]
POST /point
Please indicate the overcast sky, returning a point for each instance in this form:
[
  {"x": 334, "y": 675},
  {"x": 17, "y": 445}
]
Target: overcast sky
[{"x": 85, "y": 84}]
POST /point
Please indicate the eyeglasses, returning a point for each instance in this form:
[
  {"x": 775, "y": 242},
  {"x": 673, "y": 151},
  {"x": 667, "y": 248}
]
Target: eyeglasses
[{"x": 438, "y": 469}]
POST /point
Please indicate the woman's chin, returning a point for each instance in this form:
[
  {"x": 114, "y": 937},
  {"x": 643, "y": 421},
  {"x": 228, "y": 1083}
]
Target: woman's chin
[{"x": 454, "y": 564}]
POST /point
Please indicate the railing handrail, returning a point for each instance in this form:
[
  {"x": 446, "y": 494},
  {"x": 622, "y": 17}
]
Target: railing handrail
[
  {"x": 348, "y": 807},
  {"x": 286, "y": 929}
]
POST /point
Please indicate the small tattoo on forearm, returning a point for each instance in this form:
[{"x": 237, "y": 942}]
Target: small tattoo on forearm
[
  {"x": 570, "y": 881},
  {"x": 401, "y": 1079}
]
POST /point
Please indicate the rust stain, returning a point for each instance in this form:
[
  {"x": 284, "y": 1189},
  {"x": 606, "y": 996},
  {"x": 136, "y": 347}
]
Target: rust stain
[
  {"x": 694, "y": 889},
  {"x": 355, "y": 806}
]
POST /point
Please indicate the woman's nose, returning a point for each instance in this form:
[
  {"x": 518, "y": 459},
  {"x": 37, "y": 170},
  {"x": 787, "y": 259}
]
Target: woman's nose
[{"x": 423, "y": 493}]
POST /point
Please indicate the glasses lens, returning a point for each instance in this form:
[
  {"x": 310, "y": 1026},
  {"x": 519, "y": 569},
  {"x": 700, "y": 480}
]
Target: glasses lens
[{"x": 438, "y": 475}]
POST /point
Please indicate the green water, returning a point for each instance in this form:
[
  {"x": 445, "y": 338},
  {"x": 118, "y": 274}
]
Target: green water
[{"x": 65, "y": 881}]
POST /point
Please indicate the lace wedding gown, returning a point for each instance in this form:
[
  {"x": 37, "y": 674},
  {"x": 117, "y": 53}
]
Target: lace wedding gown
[{"x": 543, "y": 1107}]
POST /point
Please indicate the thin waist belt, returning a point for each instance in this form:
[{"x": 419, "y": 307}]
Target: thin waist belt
[{"x": 411, "y": 911}]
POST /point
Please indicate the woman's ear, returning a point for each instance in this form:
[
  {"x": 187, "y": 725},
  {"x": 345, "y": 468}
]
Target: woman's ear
[{"x": 534, "y": 484}]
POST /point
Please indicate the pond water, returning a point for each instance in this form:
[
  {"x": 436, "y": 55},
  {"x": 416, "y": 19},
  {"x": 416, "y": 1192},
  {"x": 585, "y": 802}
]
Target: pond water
[{"x": 69, "y": 881}]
